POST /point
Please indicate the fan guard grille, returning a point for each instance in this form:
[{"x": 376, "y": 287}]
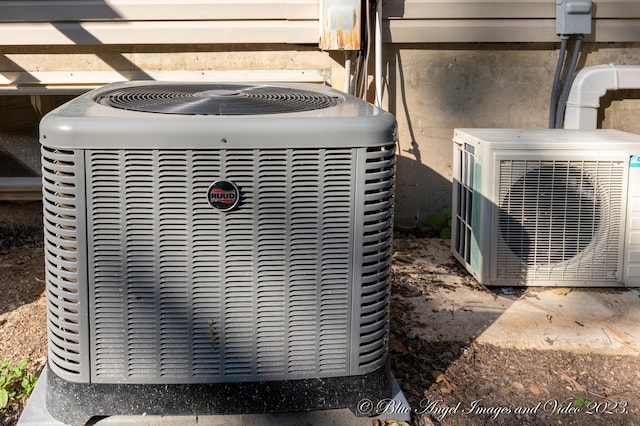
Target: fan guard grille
[
  {"x": 216, "y": 99},
  {"x": 550, "y": 214},
  {"x": 560, "y": 220}
]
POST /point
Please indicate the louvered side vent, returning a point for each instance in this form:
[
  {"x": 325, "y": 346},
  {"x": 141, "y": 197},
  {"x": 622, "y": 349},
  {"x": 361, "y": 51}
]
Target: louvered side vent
[
  {"x": 559, "y": 220},
  {"x": 63, "y": 206},
  {"x": 187, "y": 294},
  {"x": 377, "y": 250},
  {"x": 334, "y": 308},
  {"x": 464, "y": 180}
]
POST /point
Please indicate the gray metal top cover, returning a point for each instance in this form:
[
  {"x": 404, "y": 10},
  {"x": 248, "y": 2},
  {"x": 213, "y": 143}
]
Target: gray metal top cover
[{"x": 153, "y": 115}]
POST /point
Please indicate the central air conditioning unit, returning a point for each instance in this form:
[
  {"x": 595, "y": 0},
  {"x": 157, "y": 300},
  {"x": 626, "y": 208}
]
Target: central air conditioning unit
[
  {"x": 216, "y": 248},
  {"x": 547, "y": 207}
]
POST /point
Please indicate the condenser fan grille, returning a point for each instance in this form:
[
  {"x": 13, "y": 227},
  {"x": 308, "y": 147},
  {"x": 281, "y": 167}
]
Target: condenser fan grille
[{"x": 216, "y": 99}]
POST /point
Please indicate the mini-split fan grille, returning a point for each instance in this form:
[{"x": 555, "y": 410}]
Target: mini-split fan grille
[
  {"x": 546, "y": 207},
  {"x": 552, "y": 219},
  {"x": 216, "y": 99}
]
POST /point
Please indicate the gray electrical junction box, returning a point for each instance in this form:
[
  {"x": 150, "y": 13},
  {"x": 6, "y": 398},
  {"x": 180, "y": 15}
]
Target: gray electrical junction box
[{"x": 573, "y": 16}]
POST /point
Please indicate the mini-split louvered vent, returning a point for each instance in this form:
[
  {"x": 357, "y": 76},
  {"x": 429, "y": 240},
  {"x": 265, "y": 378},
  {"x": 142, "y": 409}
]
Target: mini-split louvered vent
[{"x": 216, "y": 99}]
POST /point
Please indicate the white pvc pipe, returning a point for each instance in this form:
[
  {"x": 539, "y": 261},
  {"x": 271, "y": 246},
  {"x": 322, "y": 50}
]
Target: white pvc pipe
[
  {"x": 347, "y": 72},
  {"x": 590, "y": 85},
  {"x": 378, "y": 50}
]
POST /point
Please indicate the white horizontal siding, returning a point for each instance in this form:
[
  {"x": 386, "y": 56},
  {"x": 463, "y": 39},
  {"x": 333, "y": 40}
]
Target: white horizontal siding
[
  {"x": 158, "y": 32},
  {"x": 503, "y": 30},
  {"x": 469, "y": 9},
  {"x": 500, "y": 9},
  {"x": 53, "y": 22},
  {"x": 438, "y": 21},
  {"x": 153, "y": 10},
  {"x": 477, "y": 30},
  {"x": 74, "y": 82}
]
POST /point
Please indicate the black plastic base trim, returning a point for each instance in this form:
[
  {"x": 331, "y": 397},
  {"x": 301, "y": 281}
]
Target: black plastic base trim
[{"x": 77, "y": 403}]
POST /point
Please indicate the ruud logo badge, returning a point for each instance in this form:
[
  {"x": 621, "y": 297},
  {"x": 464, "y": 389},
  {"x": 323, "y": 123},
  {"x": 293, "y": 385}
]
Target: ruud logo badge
[{"x": 223, "y": 195}]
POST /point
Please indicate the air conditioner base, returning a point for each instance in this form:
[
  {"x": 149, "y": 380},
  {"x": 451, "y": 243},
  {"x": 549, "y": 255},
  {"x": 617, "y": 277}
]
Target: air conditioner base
[{"x": 395, "y": 407}]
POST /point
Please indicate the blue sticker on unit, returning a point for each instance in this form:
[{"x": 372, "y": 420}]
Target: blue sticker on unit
[{"x": 635, "y": 161}]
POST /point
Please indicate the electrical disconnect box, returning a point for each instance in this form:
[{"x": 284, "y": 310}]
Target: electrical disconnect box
[
  {"x": 340, "y": 24},
  {"x": 573, "y": 16}
]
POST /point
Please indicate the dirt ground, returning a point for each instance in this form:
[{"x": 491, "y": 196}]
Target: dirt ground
[{"x": 447, "y": 382}]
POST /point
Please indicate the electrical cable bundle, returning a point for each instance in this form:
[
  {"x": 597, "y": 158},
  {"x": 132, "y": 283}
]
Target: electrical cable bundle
[
  {"x": 560, "y": 89},
  {"x": 360, "y": 82}
]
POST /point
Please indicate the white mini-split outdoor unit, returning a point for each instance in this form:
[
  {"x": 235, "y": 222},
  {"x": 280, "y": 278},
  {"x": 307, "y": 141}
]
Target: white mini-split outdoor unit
[
  {"x": 216, "y": 248},
  {"x": 547, "y": 207}
]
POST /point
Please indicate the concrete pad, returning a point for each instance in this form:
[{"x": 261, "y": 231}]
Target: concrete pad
[
  {"x": 454, "y": 308},
  {"x": 396, "y": 408},
  {"x": 580, "y": 321},
  {"x": 605, "y": 321}
]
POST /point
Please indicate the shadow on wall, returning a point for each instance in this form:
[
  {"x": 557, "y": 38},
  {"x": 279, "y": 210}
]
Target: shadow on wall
[
  {"x": 412, "y": 173},
  {"x": 73, "y": 30},
  {"x": 19, "y": 150},
  {"x": 619, "y": 110},
  {"x": 438, "y": 88},
  {"x": 417, "y": 184},
  {"x": 21, "y": 254},
  {"x": 19, "y": 156}
]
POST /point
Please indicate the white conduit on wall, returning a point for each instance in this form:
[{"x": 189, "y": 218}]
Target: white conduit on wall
[{"x": 590, "y": 85}]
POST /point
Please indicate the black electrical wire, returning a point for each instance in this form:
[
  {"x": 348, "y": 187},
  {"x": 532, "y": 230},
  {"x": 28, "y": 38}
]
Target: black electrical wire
[
  {"x": 367, "y": 49},
  {"x": 356, "y": 73},
  {"x": 361, "y": 59},
  {"x": 553, "y": 103},
  {"x": 562, "y": 104},
  {"x": 361, "y": 73}
]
